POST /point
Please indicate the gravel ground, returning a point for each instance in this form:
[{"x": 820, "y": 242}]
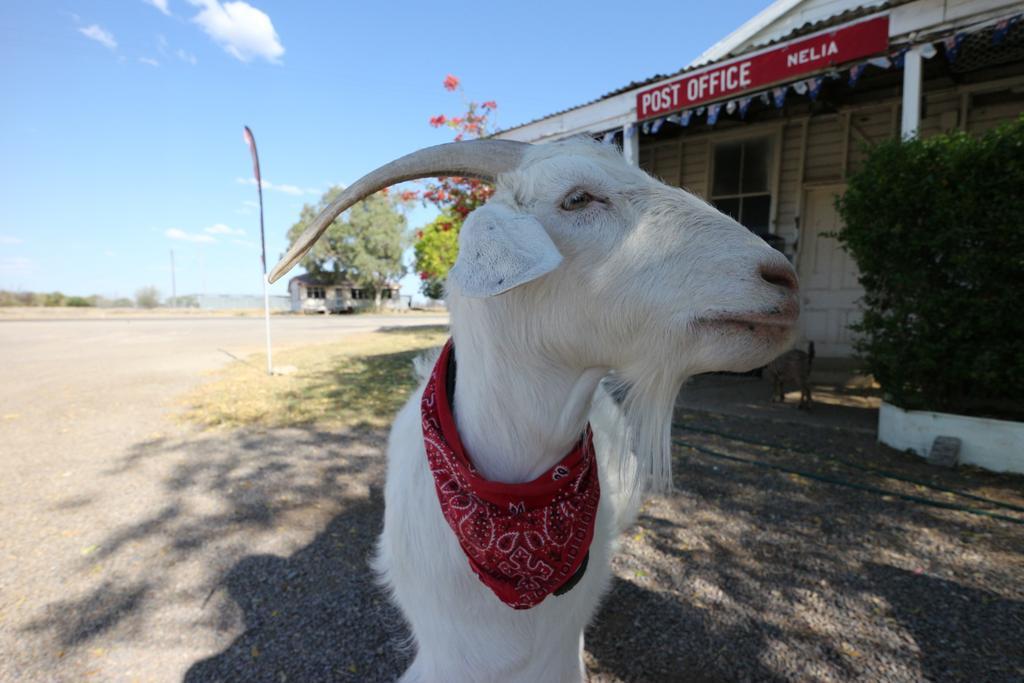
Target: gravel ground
[
  {"x": 241, "y": 556},
  {"x": 753, "y": 574},
  {"x": 252, "y": 566}
]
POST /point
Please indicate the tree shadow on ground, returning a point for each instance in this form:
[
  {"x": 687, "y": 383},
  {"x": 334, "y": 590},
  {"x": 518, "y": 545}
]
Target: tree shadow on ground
[
  {"x": 219, "y": 495},
  {"x": 316, "y": 615},
  {"x": 744, "y": 574},
  {"x": 807, "y": 581},
  {"x": 951, "y": 612}
]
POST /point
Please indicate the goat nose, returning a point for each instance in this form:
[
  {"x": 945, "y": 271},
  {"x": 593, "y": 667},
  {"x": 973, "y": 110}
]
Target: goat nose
[{"x": 782, "y": 276}]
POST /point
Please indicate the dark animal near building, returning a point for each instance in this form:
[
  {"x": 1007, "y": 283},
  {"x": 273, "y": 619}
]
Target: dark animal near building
[{"x": 793, "y": 368}]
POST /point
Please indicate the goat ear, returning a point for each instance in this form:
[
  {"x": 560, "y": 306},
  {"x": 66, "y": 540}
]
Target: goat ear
[{"x": 500, "y": 248}]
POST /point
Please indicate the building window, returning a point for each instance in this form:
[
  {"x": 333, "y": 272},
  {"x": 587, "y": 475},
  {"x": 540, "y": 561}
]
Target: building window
[
  {"x": 740, "y": 184},
  {"x": 358, "y": 293},
  {"x": 385, "y": 294},
  {"x": 315, "y": 292}
]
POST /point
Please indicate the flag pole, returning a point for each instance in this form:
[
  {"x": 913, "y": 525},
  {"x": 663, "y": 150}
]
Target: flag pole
[{"x": 251, "y": 141}]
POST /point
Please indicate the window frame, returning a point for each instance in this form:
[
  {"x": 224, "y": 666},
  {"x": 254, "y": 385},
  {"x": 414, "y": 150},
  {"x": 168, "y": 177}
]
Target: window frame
[{"x": 773, "y": 134}]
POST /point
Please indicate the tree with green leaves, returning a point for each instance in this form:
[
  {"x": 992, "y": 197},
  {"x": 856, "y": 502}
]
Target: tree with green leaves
[
  {"x": 437, "y": 245},
  {"x": 147, "y": 297},
  {"x": 364, "y": 245}
]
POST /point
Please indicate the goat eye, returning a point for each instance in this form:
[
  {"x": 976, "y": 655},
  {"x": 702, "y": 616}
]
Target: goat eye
[{"x": 576, "y": 200}]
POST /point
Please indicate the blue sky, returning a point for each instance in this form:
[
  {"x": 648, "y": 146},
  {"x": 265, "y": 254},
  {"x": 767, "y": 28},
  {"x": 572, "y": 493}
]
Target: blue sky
[{"x": 121, "y": 129}]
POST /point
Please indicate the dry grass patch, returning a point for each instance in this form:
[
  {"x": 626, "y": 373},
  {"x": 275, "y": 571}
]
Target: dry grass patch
[{"x": 360, "y": 381}]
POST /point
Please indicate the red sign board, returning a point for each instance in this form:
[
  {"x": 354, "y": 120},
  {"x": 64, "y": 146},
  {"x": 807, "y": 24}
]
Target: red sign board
[{"x": 774, "y": 65}]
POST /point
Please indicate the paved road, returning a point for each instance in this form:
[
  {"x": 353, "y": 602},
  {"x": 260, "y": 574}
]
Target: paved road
[
  {"x": 83, "y": 403},
  {"x": 80, "y": 383}
]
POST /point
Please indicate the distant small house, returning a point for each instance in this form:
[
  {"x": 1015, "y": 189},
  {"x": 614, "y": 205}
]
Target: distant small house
[{"x": 310, "y": 294}]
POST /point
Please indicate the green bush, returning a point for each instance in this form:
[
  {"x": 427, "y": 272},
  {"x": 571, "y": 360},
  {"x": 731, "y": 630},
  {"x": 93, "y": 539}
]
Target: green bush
[
  {"x": 77, "y": 302},
  {"x": 937, "y": 229}
]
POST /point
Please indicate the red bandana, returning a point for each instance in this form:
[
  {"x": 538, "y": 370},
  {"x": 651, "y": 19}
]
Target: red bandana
[{"x": 525, "y": 541}]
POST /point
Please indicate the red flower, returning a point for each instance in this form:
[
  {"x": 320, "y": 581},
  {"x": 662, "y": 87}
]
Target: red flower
[
  {"x": 424, "y": 275},
  {"x": 458, "y": 138},
  {"x": 446, "y": 227},
  {"x": 437, "y": 121},
  {"x": 419, "y": 234},
  {"x": 451, "y": 82},
  {"x": 455, "y": 121},
  {"x": 490, "y": 104},
  {"x": 408, "y": 196}
]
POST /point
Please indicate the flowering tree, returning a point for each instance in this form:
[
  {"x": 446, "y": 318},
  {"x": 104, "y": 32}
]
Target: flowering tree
[{"x": 437, "y": 243}]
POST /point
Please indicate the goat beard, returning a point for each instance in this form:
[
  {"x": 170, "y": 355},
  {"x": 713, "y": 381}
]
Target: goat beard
[{"x": 643, "y": 429}]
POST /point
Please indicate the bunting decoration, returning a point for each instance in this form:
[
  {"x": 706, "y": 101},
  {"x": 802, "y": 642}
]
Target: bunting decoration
[
  {"x": 744, "y": 106},
  {"x": 811, "y": 87},
  {"x": 814, "y": 87},
  {"x": 713, "y": 110},
  {"x": 779, "y": 95},
  {"x": 855, "y": 73},
  {"x": 1002, "y": 28},
  {"x": 952, "y": 44}
]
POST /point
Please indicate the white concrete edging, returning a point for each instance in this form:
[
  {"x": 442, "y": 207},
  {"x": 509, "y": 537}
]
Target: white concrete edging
[{"x": 996, "y": 445}]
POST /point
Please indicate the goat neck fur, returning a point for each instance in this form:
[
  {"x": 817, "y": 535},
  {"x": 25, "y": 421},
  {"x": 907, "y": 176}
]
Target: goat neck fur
[{"x": 620, "y": 274}]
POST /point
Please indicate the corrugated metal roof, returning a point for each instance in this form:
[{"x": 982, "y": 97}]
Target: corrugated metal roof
[{"x": 810, "y": 27}]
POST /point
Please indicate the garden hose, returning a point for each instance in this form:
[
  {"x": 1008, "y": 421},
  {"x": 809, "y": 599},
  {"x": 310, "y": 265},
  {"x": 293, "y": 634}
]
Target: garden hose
[
  {"x": 849, "y": 484},
  {"x": 863, "y": 468}
]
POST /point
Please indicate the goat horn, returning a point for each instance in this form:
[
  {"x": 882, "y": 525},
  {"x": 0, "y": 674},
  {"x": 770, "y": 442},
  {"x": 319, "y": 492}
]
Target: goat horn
[{"x": 484, "y": 159}]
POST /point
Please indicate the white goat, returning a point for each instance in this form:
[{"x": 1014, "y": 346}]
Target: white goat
[{"x": 580, "y": 266}]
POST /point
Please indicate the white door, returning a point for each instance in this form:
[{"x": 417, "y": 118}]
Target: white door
[{"x": 828, "y": 278}]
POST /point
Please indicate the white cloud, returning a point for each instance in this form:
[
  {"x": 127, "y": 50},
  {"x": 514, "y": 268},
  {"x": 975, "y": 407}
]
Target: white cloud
[
  {"x": 176, "y": 234},
  {"x": 245, "y": 243},
  {"x": 149, "y": 60},
  {"x": 160, "y": 5},
  {"x": 250, "y": 203},
  {"x": 242, "y": 30},
  {"x": 187, "y": 57},
  {"x": 294, "y": 190},
  {"x": 11, "y": 239},
  {"x": 94, "y": 32},
  {"x": 221, "y": 229},
  {"x": 16, "y": 265}
]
